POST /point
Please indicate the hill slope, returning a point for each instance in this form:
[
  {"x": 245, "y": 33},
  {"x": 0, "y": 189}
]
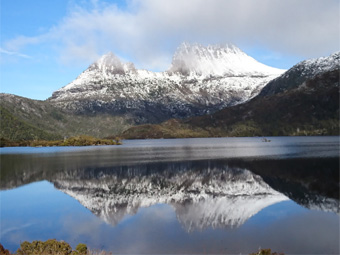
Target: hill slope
[
  {"x": 13, "y": 128},
  {"x": 27, "y": 119}
]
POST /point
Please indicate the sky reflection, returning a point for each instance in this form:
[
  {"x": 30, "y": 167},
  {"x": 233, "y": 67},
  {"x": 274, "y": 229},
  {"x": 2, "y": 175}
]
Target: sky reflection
[
  {"x": 49, "y": 213},
  {"x": 144, "y": 197}
]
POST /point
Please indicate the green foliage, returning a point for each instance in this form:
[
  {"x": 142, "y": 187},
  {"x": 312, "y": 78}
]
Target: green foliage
[
  {"x": 85, "y": 140},
  {"x": 52, "y": 247},
  {"x": 81, "y": 249},
  {"x": 169, "y": 129},
  {"x": 13, "y": 128},
  {"x": 57, "y": 115},
  {"x": 27, "y": 119},
  {"x": 49, "y": 247},
  {"x": 246, "y": 128}
]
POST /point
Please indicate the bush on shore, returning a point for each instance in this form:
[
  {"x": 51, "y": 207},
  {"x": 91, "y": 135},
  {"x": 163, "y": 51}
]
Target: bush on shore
[
  {"x": 266, "y": 252},
  {"x": 3, "y": 251},
  {"x": 49, "y": 247},
  {"x": 54, "y": 247},
  {"x": 82, "y": 140}
]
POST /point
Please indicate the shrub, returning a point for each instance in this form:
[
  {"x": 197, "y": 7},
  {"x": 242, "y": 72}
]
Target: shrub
[
  {"x": 50, "y": 247},
  {"x": 3, "y": 251},
  {"x": 266, "y": 252},
  {"x": 81, "y": 249}
]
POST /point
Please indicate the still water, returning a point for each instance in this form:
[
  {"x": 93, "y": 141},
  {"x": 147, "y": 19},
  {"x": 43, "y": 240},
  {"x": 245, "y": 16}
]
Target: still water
[{"x": 180, "y": 196}]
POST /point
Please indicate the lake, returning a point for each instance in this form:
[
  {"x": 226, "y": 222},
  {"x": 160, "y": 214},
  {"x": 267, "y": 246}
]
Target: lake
[{"x": 177, "y": 196}]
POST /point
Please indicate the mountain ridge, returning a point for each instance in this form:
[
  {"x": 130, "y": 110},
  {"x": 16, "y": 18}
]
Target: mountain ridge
[
  {"x": 230, "y": 77},
  {"x": 301, "y": 72},
  {"x": 112, "y": 96},
  {"x": 306, "y": 104}
]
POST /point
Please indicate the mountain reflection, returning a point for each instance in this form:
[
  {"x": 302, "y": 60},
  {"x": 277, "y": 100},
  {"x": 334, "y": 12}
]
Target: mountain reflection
[
  {"x": 203, "y": 193},
  {"x": 202, "y": 196}
]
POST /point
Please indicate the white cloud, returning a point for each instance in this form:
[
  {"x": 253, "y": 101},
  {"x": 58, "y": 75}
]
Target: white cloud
[
  {"x": 13, "y": 53},
  {"x": 148, "y": 31}
]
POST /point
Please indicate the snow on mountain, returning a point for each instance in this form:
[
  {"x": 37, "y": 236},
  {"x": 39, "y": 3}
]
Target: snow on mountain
[
  {"x": 322, "y": 203},
  {"x": 301, "y": 72},
  {"x": 212, "y": 197},
  {"x": 110, "y": 64},
  {"x": 312, "y": 67},
  {"x": 223, "y": 212},
  {"x": 201, "y": 80},
  {"x": 217, "y": 60}
]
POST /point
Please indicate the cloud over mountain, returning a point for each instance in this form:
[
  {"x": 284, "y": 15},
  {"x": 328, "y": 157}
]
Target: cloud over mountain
[{"x": 148, "y": 31}]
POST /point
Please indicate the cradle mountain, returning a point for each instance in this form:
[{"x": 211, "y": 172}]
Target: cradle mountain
[{"x": 215, "y": 90}]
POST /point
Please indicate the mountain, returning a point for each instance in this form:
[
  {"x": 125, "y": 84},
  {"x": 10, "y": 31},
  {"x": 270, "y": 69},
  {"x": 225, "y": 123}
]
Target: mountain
[
  {"x": 302, "y": 101},
  {"x": 200, "y": 80},
  {"x": 215, "y": 90},
  {"x": 26, "y": 119},
  {"x": 300, "y": 73}
]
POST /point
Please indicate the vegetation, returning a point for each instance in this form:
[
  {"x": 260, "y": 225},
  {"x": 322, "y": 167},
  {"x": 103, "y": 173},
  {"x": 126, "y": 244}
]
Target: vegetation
[
  {"x": 266, "y": 252},
  {"x": 169, "y": 129},
  {"x": 45, "y": 248},
  {"x": 51, "y": 247},
  {"x": 54, "y": 247},
  {"x": 72, "y": 141},
  {"x": 15, "y": 129},
  {"x": 26, "y": 119},
  {"x": 3, "y": 251}
]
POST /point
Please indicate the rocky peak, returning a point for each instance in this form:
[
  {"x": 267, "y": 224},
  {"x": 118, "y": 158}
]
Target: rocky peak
[
  {"x": 210, "y": 51},
  {"x": 111, "y": 64},
  {"x": 217, "y": 60}
]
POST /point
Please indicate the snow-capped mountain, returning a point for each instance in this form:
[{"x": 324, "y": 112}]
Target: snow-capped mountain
[
  {"x": 209, "y": 197},
  {"x": 200, "y": 80},
  {"x": 217, "y": 60},
  {"x": 302, "y": 101},
  {"x": 301, "y": 72}
]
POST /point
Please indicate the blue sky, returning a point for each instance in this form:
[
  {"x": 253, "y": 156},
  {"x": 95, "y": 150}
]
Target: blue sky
[{"x": 47, "y": 44}]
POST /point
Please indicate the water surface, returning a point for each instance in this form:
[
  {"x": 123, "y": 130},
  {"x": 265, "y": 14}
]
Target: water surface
[{"x": 181, "y": 196}]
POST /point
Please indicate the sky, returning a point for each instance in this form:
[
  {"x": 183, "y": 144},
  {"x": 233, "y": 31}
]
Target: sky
[{"x": 44, "y": 45}]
